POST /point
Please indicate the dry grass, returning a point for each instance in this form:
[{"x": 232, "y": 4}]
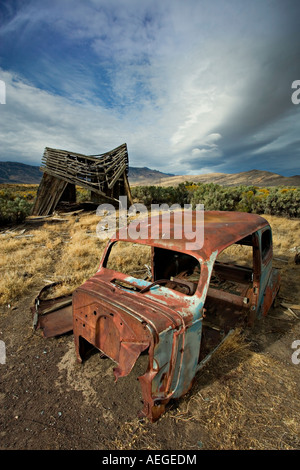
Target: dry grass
[
  {"x": 135, "y": 435},
  {"x": 245, "y": 400},
  {"x": 286, "y": 233},
  {"x": 80, "y": 256},
  {"x": 25, "y": 258},
  {"x": 239, "y": 254},
  {"x": 286, "y": 237},
  {"x": 130, "y": 259}
]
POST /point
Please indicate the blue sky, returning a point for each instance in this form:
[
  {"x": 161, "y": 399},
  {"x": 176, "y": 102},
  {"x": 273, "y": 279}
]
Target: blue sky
[{"x": 192, "y": 86}]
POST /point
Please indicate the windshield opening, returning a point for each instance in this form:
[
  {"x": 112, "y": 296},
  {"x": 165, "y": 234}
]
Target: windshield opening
[{"x": 174, "y": 270}]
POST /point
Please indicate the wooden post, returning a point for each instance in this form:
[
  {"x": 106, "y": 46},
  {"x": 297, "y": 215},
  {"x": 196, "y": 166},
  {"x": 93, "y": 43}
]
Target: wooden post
[{"x": 127, "y": 189}]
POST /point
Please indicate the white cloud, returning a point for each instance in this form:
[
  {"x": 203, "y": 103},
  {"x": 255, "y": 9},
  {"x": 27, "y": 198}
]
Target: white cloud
[
  {"x": 184, "y": 81},
  {"x": 33, "y": 118}
]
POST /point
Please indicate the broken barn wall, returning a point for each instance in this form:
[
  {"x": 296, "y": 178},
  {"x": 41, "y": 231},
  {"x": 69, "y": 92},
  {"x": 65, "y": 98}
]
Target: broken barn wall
[{"x": 104, "y": 175}]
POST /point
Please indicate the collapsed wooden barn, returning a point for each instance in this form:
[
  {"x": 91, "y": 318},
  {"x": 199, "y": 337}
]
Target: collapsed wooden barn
[{"x": 104, "y": 175}]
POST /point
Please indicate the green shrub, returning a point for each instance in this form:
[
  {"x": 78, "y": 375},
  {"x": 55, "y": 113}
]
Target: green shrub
[
  {"x": 148, "y": 195},
  {"x": 13, "y": 210},
  {"x": 283, "y": 201}
]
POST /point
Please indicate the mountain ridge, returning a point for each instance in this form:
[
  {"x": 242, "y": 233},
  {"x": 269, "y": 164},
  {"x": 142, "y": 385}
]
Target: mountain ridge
[
  {"x": 21, "y": 173},
  {"x": 248, "y": 178}
]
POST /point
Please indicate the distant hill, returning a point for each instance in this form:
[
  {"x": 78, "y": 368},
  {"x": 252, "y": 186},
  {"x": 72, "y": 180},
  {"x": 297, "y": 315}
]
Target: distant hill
[
  {"x": 248, "y": 178},
  {"x": 145, "y": 175},
  {"x": 14, "y": 172}
]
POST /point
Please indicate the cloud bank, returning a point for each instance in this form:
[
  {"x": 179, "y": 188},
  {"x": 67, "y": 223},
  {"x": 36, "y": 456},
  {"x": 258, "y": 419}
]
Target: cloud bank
[{"x": 191, "y": 87}]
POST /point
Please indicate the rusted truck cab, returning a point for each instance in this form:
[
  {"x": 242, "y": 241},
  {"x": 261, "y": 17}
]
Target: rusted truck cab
[{"x": 177, "y": 305}]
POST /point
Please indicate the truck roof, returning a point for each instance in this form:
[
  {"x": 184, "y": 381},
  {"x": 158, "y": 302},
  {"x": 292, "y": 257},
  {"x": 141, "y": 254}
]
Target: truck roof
[{"x": 220, "y": 229}]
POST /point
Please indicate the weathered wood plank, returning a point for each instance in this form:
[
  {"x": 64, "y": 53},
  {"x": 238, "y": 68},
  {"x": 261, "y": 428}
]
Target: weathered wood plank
[{"x": 48, "y": 195}]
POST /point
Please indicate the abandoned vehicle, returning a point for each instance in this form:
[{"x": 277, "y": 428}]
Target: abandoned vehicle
[{"x": 177, "y": 307}]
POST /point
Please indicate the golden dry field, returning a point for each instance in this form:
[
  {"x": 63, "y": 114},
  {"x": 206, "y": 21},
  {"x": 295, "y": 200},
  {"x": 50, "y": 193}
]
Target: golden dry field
[{"x": 247, "y": 397}]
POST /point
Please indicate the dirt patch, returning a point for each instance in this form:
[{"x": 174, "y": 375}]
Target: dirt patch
[{"x": 244, "y": 399}]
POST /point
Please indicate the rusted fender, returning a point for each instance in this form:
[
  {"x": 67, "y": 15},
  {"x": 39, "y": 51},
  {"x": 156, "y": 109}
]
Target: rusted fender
[{"x": 53, "y": 316}]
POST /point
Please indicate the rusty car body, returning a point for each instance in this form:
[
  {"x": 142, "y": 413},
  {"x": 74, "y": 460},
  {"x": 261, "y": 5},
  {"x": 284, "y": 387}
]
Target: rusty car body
[
  {"x": 179, "y": 310},
  {"x": 183, "y": 310}
]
